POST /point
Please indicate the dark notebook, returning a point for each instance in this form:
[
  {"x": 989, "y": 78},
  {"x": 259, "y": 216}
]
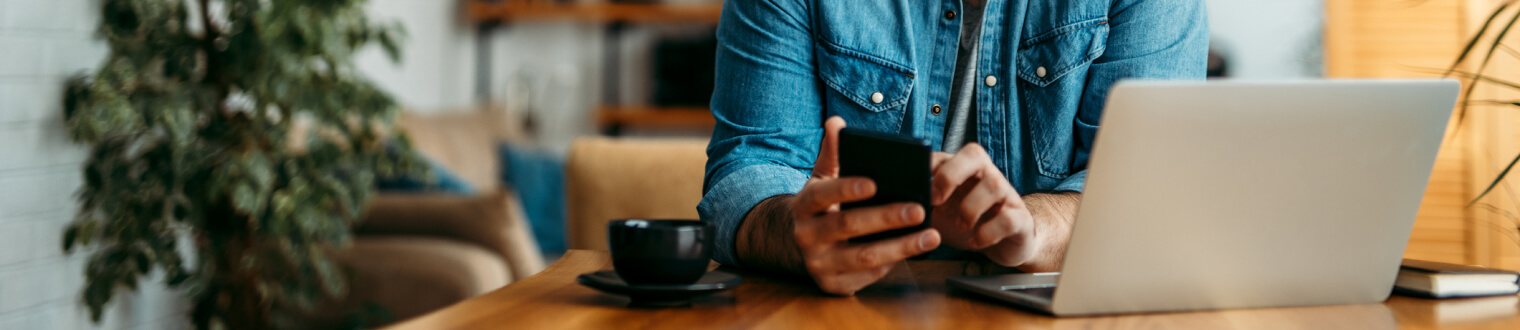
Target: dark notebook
[{"x": 1429, "y": 279}]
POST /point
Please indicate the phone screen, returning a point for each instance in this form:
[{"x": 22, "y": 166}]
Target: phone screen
[{"x": 898, "y": 164}]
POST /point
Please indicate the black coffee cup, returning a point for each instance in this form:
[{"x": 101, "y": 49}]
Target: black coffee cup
[{"x": 660, "y": 252}]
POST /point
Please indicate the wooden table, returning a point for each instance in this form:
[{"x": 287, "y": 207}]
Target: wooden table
[{"x": 913, "y": 296}]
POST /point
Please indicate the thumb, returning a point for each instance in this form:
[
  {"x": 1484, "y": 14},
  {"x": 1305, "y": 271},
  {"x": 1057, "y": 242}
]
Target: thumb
[{"x": 827, "y": 164}]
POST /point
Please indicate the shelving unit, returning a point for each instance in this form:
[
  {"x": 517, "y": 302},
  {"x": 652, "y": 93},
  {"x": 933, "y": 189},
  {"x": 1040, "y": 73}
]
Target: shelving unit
[
  {"x": 612, "y": 118},
  {"x": 654, "y": 116}
]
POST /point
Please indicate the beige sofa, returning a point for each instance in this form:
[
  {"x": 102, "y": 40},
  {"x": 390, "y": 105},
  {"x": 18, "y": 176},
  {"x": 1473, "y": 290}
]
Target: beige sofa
[{"x": 416, "y": 253}]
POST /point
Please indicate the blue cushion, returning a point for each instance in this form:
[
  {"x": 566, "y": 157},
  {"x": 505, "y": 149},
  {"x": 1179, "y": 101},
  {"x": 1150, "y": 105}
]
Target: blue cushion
[{"x": 539, "y": 178}]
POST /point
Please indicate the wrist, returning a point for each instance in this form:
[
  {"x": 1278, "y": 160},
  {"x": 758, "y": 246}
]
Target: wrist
[
  {"x": 1052, "y": 205},
  {"x": 765, "y": 240},
  {"x": 1053, "y": 214}
]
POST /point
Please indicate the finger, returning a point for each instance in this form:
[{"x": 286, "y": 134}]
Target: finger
[
  {"x": 827, "y": 164},
  {"x": 820, "y": 195},
  {"x": 847, "y": 283},
  {"x": 938, "y": 158},
  {"x": 864, "y": 221},
  {"x": 887, "y": 252},
  {"x": 1014, "y": 250},
  {"x": 999, "y": 225},
  {"x": 968, "y": 163},
  {"x": 986, "y": 194},
  {"x": 952, "y": 211}
]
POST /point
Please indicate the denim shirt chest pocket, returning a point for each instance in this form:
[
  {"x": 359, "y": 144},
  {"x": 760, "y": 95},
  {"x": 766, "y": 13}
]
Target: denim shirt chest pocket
[
  {"x": 867, "y": 91},
  {"x": 1053, "y": 65}
]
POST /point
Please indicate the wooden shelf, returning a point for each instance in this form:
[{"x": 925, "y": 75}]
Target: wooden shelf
[
  {"x": 609, "y": 116},
  {"x": 599, "y": 12}
]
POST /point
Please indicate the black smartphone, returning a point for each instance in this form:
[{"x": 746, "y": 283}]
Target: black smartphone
[{"x": 898, "y": 164}]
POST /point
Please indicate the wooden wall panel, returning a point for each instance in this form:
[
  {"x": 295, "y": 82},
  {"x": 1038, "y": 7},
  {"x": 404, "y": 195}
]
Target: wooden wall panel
[
  {"x": 1394, "y": 39},
  {"x": 1388, "y": 38}
]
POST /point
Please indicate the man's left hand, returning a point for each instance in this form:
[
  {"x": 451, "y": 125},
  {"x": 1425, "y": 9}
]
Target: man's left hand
[{"x": 977, "y": 209}]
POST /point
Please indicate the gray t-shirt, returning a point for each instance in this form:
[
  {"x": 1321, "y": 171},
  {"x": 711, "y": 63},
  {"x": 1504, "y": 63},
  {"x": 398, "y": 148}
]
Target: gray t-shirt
[{"x": 960, "y": 126}]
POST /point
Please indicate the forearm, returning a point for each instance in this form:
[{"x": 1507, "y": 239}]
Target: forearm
[
  {"x": 765, "y": 240},
  {"x": 1054, "y": 215}
]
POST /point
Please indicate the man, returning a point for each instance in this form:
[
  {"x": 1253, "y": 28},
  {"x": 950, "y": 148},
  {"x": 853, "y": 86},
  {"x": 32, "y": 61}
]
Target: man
[{"x": 1010, "y": 90}]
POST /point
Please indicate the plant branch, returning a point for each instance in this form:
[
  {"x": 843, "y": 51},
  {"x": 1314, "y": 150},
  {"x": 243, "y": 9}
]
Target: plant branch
[
  {"x": 1496, "y": 209},
  {"x": 1497, "y": 180},
  {"x": 1488, "y": 79},
  {"x": 1474, "y": 42}
]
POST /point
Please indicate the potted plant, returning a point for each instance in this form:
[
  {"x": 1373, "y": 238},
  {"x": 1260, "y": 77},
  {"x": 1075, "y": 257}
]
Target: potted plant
[{"x": 237, "y": 132}]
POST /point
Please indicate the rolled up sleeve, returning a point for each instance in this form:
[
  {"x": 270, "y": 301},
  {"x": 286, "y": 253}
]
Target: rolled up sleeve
[
  {"x": 768, "y": 110},
  {"x": 727, "y": 203}
]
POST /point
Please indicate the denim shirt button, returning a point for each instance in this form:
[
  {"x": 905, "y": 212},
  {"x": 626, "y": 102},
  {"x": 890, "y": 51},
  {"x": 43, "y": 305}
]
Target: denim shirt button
[
  {"x": 1039, "y": 72},
  {"x": 950, "y": 14},
  {"x": 992, "y": 80},
  {"x": 876, "y": 97},
  {"x": 935, "y": 110}
]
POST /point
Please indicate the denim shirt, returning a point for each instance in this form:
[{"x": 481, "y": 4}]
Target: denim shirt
[{"x": 784, "y": 66}]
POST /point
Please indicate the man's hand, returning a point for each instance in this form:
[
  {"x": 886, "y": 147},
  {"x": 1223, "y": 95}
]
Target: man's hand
[
  {"x": 977, "y": 209},
  {"x": 821, "y": 231}
]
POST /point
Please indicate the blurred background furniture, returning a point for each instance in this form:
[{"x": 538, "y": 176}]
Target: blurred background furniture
[
  {"x": 414, "y": 253},
  {"x": 609, "y": 179},
  {"x": 613, "y": 115}
]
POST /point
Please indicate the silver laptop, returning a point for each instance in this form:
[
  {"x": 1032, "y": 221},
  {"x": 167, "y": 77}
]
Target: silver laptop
[{"x": 1243, "y": 194}]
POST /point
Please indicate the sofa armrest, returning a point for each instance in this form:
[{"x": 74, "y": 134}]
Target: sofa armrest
[{"x": 493, "y": 220}]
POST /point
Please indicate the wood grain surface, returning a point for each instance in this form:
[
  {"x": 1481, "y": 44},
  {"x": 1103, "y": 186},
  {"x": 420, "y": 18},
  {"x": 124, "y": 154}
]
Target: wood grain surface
[{"x": 913, "y": 296}]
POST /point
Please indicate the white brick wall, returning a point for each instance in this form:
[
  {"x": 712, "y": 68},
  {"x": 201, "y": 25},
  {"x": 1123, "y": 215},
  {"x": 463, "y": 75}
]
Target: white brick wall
[{"x": 42, "y": 42}]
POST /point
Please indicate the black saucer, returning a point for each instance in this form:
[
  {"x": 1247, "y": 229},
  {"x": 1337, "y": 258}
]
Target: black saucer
[{"x": 645, "y": 295}]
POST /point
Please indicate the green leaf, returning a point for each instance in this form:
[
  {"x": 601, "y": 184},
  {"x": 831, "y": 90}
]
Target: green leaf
[
  {"x": 391, "y": 46},
  {"x": 245, "y": 199},
  {"x": 1514, "y": 103},
  {"x": 96, "y": 294},
  {"x": 120, "y": 17},
  {"x": 179, "y": 121},
  {"x": 76, "y": 92},
  {"x": 1489, "y": 79},
  {"x": 260, "y": 170},
  {"x": 143, "y": 262},
  {"x": 87, "y": 232},
  {"x": 1474, "y": 41},
  {"x": 69, "y": 235},
  {"x": 283, "y": 204},
  {"x": 332, "y": 278},
  {"x": 129, "y": 281}
]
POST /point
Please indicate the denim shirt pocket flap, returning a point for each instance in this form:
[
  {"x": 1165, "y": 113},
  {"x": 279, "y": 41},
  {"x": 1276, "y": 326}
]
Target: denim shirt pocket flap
[
  {"x": 1050, "y": 55},
  {"x": 860, "y": 77}
]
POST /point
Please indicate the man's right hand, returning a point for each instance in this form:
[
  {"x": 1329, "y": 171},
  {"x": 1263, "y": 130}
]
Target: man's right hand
[{"x": 822, "y": 230}]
